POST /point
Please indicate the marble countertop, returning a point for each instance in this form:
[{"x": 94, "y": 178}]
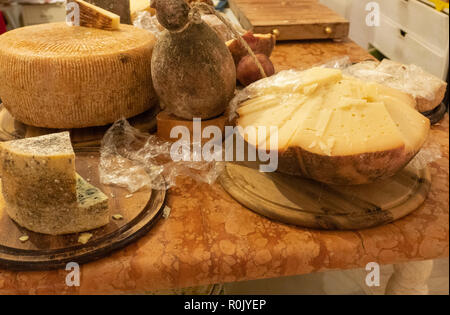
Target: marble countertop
[{"x": 210, "y": 238}]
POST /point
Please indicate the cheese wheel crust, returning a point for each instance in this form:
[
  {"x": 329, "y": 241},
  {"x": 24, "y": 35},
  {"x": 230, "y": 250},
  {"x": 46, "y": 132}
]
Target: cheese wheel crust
[
  {"x": 343, "y": 170},
  {"x": 72, "y": 77}
]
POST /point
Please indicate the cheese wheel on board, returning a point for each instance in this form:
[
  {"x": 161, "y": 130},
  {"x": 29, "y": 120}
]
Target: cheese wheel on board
[
  {"x": 59, "y": 76},
  {"x": 333, "y": 128}
]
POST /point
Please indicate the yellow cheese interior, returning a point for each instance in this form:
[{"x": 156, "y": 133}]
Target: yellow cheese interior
[
  {"x": 93, "y": 16},
  {"x": 326, "y": 113}
]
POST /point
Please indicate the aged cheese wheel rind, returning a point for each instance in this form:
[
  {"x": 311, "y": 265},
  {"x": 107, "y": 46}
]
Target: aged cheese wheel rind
[
  {"x": 72, "y": 77},
  {"x": 343, "y": 170}
]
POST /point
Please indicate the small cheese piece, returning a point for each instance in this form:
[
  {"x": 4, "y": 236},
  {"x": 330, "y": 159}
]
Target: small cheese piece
[
  {"x": 335, "y": 129},
  {"x": 84, "y": 238},
  {"x": 41, "y": 190},
  {"x": 93, "y": 16},
  {"x": 62, "y": 76}
]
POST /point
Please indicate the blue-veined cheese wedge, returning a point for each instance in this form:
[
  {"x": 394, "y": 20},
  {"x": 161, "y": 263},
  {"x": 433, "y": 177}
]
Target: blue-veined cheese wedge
[{"x": 41, "y": 190}]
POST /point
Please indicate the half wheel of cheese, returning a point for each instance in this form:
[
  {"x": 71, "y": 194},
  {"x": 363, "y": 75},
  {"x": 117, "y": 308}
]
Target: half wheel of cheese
[{"x": 332, "y": 128}]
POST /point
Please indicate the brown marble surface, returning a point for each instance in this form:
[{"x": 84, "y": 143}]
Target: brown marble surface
[{"x": 210, "y": 238}]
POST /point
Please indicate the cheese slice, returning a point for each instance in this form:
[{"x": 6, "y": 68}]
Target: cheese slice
[
  {"x": 356, "y": 129},
  {"x": 93, "y": 16},
  {"x": 266, "y": 117},
  {"x": 41, "y": 190},
  {"x": 62, "y": 76},
  {"x": 413, "y": 126}
]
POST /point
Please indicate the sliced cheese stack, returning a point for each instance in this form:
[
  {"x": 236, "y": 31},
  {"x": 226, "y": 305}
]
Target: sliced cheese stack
[
  {"x": 333, "y": 128},
  {"x": 42, "y": 191},
  {"x": 60, "y": 76}
]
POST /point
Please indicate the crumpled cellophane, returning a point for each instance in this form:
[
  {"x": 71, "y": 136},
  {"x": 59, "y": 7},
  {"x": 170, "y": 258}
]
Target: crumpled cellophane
[
  {"x": 410, "y": 79},
  {"x": 148, "y": 22},
  {"x": 135, "y": 160}
]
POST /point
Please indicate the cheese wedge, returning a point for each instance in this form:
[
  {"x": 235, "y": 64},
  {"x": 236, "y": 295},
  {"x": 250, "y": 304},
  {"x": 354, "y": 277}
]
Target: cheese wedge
[
  {"x": 93, "y": 16},
  {"x": 62, "y": 76},
  {"x": 339, "y": 130},
  {"x": 41, "y": 190}
]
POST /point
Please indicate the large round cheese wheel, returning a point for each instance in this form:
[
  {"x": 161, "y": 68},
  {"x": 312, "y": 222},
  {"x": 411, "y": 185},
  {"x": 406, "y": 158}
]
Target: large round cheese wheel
[
  {"x": 332, "y": 128},
  {"x": 59, "y": 76}
]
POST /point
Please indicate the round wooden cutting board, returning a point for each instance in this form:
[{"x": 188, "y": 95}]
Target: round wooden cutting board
[
  {"x": 11, "y": 129},
  {"x": 140, "y": 211},
  {"x": 311, "y": 204}
]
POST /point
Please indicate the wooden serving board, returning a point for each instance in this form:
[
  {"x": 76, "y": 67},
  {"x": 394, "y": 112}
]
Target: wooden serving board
[
  {"x": 310, "y": 204},
  {"x": 140, "y": 211},
  {"x": 12, "y": 129},
  {"x": 294, "y": 19}
]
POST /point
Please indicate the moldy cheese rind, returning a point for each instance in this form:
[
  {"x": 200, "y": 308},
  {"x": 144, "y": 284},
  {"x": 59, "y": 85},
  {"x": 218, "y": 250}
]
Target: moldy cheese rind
[{"x": 41, "y": 190}]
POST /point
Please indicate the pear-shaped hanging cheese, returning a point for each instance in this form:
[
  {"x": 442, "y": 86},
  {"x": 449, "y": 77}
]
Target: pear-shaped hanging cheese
[{"x": 193, "y": 71}]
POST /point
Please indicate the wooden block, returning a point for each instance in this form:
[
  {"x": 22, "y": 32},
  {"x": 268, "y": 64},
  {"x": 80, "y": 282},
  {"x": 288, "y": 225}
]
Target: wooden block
[{"x": 292, "y": 19}]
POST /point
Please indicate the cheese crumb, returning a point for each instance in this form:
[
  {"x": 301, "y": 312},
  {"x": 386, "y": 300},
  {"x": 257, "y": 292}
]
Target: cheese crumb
[
  {"x": 84, "y": 238},
  {"x": 166, "y": 212},
  {"x": 24, "y": 238},
  {"x": 117, "y": 217},
  {"x": 129, "y": 196}
]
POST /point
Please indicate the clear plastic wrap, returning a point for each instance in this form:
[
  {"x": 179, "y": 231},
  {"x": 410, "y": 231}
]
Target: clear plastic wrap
[
  {"x": 410, "y": 79},
  {"x": 429, "y": 153},
  {"x": 148, "y": 22},
  {"x": 136, "y": 160},
  {"x": 336, "y": 63}
]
